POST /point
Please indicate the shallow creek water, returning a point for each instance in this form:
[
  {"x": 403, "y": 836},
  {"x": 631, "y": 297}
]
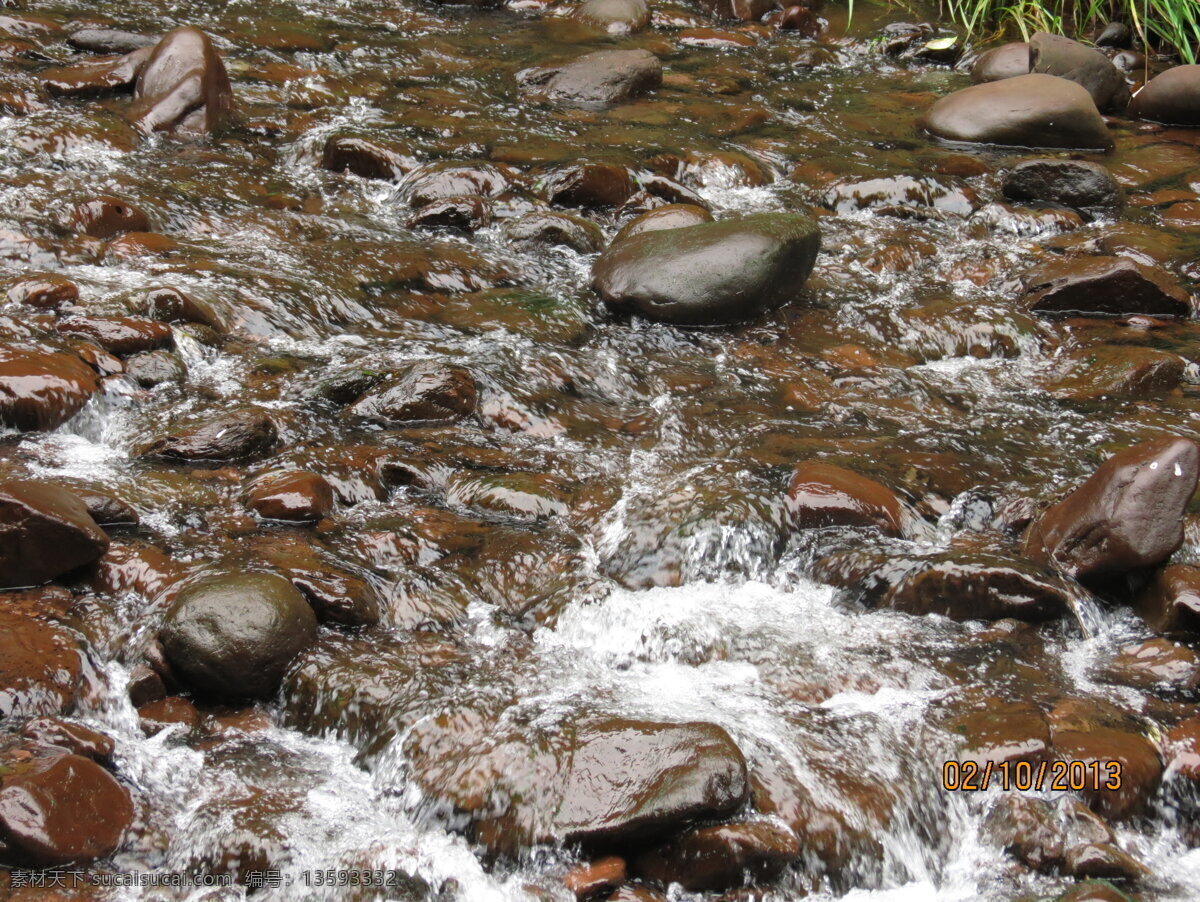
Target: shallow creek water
[{"x": 608, "y": 533}]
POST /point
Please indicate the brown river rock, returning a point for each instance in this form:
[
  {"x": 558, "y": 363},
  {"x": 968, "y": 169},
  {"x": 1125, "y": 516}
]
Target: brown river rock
[
  {"x": 1172, "y": 97},
  {"x": 293, "y": 495},
  {"x": 722, "y": 857},
  {"x": 822, "y": 495},
  {"x": 41, "y": 666},
  {"x": 45, "y": 531},
  {"x": 42, "y": 389},
  {"x": 183, "y": 87},
  {"x": 1170, "y": 604},
  {"x": 1104, "y": 286},
  {"x": 237, "y": 436},
  {"x": 64, "y": 810},
  {"x": 120, "y": 335},
  {"x": 1127, "y": 514}
]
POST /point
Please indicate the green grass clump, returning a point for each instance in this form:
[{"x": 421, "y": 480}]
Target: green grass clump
[{"x": 1165, "y": 25}]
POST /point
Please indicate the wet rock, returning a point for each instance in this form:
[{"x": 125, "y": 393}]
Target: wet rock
[
  {"x": 69, "y": 736},
  {"x": 145, "y": 686},
  {"x": 596, "y": 80},
  {"x": 1170, "y": 603},
  {"x": 47, "y": 532},
  {"x": 1026, "y": 829},
  {"x": 151, "y": 368},
  {"x": 671, "y": 216},
  {"x": 739, "y": 10},
  {"x": 294, "y": 495},
  {"x": 41, "y": 666},
  {"x": 1094, "y": 891},
  {"x": 545, "y": 229},
  {"x": 595, "y": 878},
  {"x": 1115, "y": 34},
  {"x": 1072, "y": 183},
  {"x": 109, "y": 40},
  {"x": 170, "y": 305},
  {"x": 1026, "y": 111},
  {"x": 63, "y": 810},
  {"x": 978, "y": 587},
  {"x": 1141, "y": 766},
  {"x": 801, "y": 20},
  {"x": 105, "y": 509},
  {"x": 1156, "y": 665},
  {"x": 1005, "y": 61},
  {"x": 1104, "y": 286},
  {"x": 41, "y": 389},
  {"x": 589, "y": 185},
  {"x": 1055, "y": 55},
  {"x": 167, "y": 713},
  {"x": 441, "y": 181},
  {"x": 710, "y": 274},
  {"x": 94, "y": 78},
  {"x": 897, "y": 193},
  {"x": 183, "y": 88},
  {"x": 234, "y": 635},
  {"x": 47, "y": 292},
  {"x": 822, "y": 495},
  {"x": 240, "y": 435},
  {"x": 120, "y": 335},
  {"x": 107, "y": 216},
  {"x": 1105, "y": 861},
  {"x": 614, "y": 16},
  {"x": 1172, "y": 98},
  {"x": 601, "y": 781},
  {"x": 427, "y": 392},
  {"x": 466, "y": 214},
  {"x": 1112, "y": 371},
  {"x": 366, "y": 158},
  {"x": 722, "y": 857},
  {"x": 1127, "y": 514},
  {"x": 338, "y": 591},
  {"x": 999, "y": 731},
  {"x": 134, "y": 245}
]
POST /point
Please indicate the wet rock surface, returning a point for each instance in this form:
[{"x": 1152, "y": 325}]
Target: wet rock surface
[{"x": 560, "y": 601}]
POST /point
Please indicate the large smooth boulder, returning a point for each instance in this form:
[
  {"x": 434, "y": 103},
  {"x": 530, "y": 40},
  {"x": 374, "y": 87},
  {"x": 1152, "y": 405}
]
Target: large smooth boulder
[
  {"x": 183, "y": 87},
  {"x": 1104, "y": 286},
  {"x": 63, "y": 810},
  {"x": 233, "y": 635},
  {"x": 45, "y": 531},
  {"x": 239, "y": 435},
  {"x": 596, "y": 80},
  {"x": 41, "y": 389},
  {"x": 1032, "y": 110},
  {"x": 1126, "y": 515},
  {"x": 710, "y": 274},
  {"x": 1072, "y": 183},
  {"x": 595, "y": 782},
  {"x": 1006, "y": 61},
  {"x": 1172, "y": 98},
  {"x": 1055, "y": 55},
  {"x": 1170, "y": 604},
  {"x": 722, "y": 857}
]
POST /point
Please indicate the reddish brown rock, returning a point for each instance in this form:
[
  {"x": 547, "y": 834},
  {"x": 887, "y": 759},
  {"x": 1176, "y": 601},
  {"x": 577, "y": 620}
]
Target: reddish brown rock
[
  {"x": 106, "y": 217},
  {"x": 722, "y": 857},
  {"x": 120, "y": 335},
  {"x": 133, "y": 245},
  {"x": 1117, "y": 371},
  {"x": 247, "y": 434},
  {"x": 1026, "y": 829},
  {"x": 1005, "y": 61},
  {"x": 1170, "y": 604},
  {"x": 596, "y": 877},
  {"x": 998, "y": 731},
  {"x": 170, "y": 305},
  {"x": 1172, "y": 97},
  {"x": 47, "y": 292},
  {"x": 183, "y": 87},
  {"x": 596, "y": 80},
  {"x": 41, "y": 667},
  {"x": 1141, "y": 767},
  {"x": 438, "y": 181},
  {"x": 41, "y": 389},
  {"x": 69, "y": 736},
  {"x": 365, "y": 158},
  {"x": 156, "y": 716},
  {"x": 589, "y": 185},
  {"x": 1104, "y": 286},
  {"x": 45, "y": 531},
  {"x": 427, "y": 392},
  {"x": 63, "y": 810},
  {"x": 1127, "y": 514},
  {"x": 822, "y": 495},
  {"x": 95, "y": 77},
  {"x": 1104, "y": 861},
  {"x": 670, "y": 216},
  {"x": 1157, "y": 665},
  {"x": 294, "y": 495}
]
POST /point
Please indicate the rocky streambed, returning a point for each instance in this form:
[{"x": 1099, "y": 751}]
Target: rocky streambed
[{"x": 594, "y": 451}]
